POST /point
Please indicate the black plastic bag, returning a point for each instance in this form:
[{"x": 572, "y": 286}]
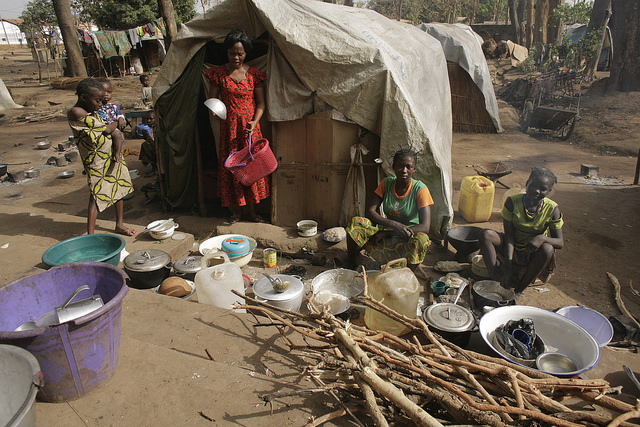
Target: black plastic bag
[{"x": 516, "y": 347}]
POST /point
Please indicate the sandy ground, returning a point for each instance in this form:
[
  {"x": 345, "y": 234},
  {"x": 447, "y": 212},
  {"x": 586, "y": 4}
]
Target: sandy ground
[{"x": 164, "y": 376}]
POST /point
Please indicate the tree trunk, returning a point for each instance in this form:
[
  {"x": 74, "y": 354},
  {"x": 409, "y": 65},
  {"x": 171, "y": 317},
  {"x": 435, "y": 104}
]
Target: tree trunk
[
  {"x": 531, "y": 22},
  {"x": 599, "y": 19},
  {"x": 166, "y": 11},
  {"x": 515, "y": 21},
  {"x": 625, "y": 66},
  {"x": 70, "y": 38}
]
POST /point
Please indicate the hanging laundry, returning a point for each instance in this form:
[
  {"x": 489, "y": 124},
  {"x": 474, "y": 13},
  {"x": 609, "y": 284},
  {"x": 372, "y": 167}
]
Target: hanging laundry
[
  {"x": 134, "y": 37},
  {"x": 146, "y": 30},
  {"x": 106, "y": 42},
  {"x": 152, "y": 30},
  {"x": 121, "y": 41},
  {"x": 96, "y": 44}
]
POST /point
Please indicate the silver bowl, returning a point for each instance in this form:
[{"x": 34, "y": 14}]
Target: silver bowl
[
  {"x": 66, "y": 174},
  {"x": 43, "y": 145},
  {"x": 555, "y": 363},
  {"x": 217, "y": 107}
]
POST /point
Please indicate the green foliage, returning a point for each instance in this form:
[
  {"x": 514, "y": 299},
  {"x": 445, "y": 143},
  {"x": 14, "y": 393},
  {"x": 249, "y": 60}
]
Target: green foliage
[
  {"x": 39, "y": 17},
  {"x": 418, "y": 11},
  {"x": 125, "y": 14},
  {"x": 578, "y": 13}
]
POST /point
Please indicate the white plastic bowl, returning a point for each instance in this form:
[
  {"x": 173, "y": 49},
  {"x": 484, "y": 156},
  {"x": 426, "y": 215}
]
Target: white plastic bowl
[
  {"x": 560, "y": 335},
  {"x": 215, "y": 243}
]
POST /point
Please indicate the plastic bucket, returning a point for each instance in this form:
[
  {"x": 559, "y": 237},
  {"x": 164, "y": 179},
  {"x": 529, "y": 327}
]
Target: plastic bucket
[
  {"x": 77, "y": 356},
  {"x": 20, "y": 377}
]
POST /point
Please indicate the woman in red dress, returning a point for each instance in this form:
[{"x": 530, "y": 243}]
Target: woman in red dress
[{"x": 240, "y": 88}]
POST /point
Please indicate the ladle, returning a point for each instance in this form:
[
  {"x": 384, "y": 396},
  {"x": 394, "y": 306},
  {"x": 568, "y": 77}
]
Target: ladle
[{"x": 462, "y": 287}]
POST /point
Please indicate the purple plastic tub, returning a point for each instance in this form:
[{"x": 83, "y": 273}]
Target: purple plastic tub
[{"x": 77, "y": 356}]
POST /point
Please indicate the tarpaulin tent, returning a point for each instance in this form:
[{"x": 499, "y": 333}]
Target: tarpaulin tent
[
  {"x": 463, "y": 46},
  {"x": 6, "y": 101},
  {"x": 388, "y": 77}
]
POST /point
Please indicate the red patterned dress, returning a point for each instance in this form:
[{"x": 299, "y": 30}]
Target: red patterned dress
[{"x": 239, "y": 99}]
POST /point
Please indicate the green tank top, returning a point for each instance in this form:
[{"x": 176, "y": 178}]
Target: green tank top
[{"x": 526, "y": 226}]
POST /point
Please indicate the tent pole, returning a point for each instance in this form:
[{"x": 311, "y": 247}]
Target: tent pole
[{"x": 201, "y": 199}]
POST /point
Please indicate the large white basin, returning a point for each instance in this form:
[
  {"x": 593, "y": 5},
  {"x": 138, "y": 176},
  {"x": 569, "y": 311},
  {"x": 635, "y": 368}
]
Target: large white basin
[{"x": 558, "y": 333}]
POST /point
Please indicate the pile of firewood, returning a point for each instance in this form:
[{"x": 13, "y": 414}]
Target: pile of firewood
[{"x": 426, "y": 380}]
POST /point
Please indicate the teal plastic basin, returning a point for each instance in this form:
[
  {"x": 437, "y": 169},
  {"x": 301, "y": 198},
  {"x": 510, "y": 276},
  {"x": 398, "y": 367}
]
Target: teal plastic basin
[{"x": 87, "y": 248}]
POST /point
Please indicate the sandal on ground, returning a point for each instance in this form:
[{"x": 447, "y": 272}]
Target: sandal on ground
[
  {"x": 127, "y": 232},
  {"x": 259, "y": 219},
  {"x": 233, "y": 219}
]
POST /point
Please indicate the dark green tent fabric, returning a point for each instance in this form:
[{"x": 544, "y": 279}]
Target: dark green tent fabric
[{"x": 177, "y": 135}]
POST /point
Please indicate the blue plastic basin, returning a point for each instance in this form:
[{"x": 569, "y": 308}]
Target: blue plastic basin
[{"x": 87, "y": 248}]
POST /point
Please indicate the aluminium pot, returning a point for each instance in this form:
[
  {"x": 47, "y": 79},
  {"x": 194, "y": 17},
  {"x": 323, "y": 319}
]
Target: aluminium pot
[
  {"x": 291, "y": 299},
  {"x": 147, "y": 268},
  {"x": 452, "y": 322},
  {"x": 489, "y": 293},
  {"x": 188, "y": 266}
]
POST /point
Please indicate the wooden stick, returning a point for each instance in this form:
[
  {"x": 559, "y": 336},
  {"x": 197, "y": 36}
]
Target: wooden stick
[
  {"x": 621, "y": 306},
  {"x": 327, "y": 417},
  {"x": 420, "y": 325},
  {"x": 393, "y": 394}
]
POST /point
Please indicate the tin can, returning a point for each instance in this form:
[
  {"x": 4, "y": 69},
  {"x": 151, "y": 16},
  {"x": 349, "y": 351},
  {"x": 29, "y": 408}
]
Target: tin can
[{"x": 269, "y": 256}]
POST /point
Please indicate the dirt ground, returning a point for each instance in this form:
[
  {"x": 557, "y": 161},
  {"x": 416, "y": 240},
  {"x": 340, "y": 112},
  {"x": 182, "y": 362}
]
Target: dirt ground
[{"x": 161, "y": 354}]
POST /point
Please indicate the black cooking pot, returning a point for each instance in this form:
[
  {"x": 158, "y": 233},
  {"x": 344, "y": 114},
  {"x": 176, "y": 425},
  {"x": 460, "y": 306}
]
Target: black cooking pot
[
  {"x": 452, "y": 322},
  {"x": 147, "y": 268},
  {"x": 489, "y": 293}
]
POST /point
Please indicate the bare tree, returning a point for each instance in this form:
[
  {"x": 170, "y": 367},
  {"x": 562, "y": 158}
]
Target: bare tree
[
  {"x": 70, "y": 38},
  {"x": 167, "y": 12},
  {"x": 625, "y": 66}
]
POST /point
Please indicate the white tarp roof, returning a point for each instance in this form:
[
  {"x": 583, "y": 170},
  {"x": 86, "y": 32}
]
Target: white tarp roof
[
  {"x": 464, "y": 47},
  {"x": 388, "y": 77}
]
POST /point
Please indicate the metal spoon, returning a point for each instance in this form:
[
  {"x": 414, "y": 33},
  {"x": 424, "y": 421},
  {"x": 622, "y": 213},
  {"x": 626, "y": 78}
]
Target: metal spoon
[
  {"x": 462, "y": 287},
  {"x": 27, "y": 326}
]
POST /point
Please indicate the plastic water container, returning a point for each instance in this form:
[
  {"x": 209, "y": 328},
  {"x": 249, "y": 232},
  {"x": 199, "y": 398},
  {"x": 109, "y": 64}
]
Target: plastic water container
[
  {"x": 215, "y": 281},
  {"x": 398, "y": 288},
  {"x": 76, "y": 356},
  {"x": 476, "y": 198},
  {"x": 20, "y": 377}
]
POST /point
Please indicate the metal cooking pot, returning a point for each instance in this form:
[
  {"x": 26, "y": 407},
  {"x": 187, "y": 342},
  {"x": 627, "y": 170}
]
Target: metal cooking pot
[
  {"x": 451, "y": 321},
  {"x": 147, "y": 268},
  {"x": 291, "y": 299},
  {"x": 187, "y": 267},
  {"x": 489, "y": 293}
]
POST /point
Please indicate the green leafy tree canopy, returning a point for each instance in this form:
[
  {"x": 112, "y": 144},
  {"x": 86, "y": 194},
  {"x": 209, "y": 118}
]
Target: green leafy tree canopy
[
  {"x": 124, "y": 14},
  {"x": 39, "y": 18}
]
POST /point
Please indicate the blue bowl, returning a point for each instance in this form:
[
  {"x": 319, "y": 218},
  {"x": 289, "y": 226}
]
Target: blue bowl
[{"x": 87, "y": 248}]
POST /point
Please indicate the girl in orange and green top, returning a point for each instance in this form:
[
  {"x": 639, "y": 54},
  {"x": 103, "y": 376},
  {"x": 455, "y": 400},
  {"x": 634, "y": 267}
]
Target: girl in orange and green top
[
  {"x": 532, "y": 233},
  {"x": 403, "y": 231}
]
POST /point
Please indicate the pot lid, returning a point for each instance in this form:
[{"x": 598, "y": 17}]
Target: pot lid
[
  {"x": 449, "y": 317},
  {"x": 189, "y": 264},
  {"x": 147, "y": 260},
  {"x": 236, "y": 246},
  {"x": 264, "y": 289}
]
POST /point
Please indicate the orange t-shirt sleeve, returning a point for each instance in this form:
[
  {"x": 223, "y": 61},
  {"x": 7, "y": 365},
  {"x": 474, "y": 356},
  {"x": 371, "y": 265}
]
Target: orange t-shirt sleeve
[
  {"x": 380, "y": 190},
  {"x": 424, "y": 198}
]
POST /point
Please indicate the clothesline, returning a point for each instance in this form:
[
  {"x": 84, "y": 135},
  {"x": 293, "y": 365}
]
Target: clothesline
[{"x": 120, "y": 43}]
